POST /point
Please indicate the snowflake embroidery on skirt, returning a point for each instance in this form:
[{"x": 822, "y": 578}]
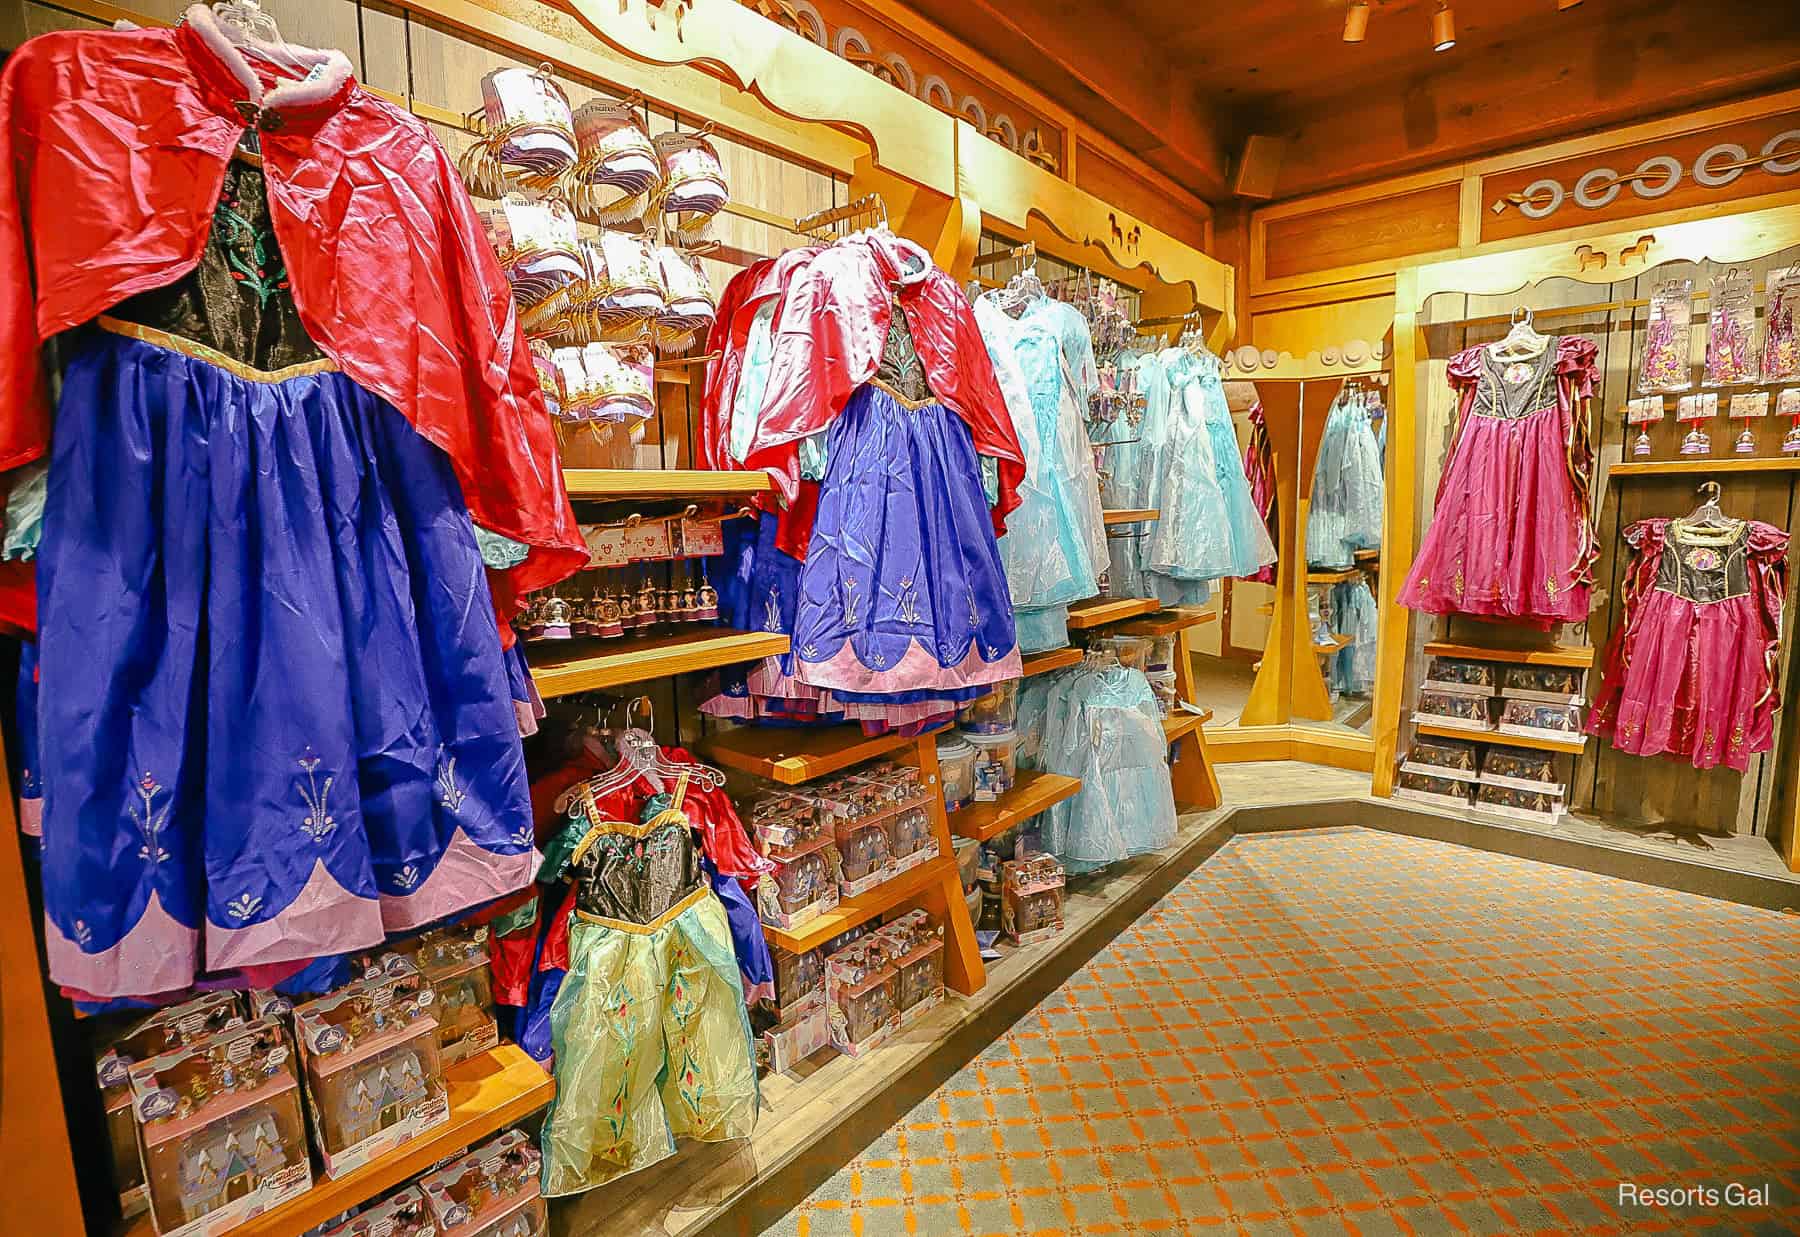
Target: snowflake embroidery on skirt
[
  {"x": 318, "y": 823},
  {"x": 448, "y": 792},
  {"x": 149, "y": 818}
]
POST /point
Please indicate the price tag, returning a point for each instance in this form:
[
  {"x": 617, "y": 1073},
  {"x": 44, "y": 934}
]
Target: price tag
[
  {"x": 1697, "y": 407},
  {"x": 606, "y": 545},
  {"x": 647, "y": 541},
  {"x": 1787, "y": 404},
  {"x": 1644, "y": 411},
  {"x": 1750, "y": 404},
  {"x": 701, "y": 538}
]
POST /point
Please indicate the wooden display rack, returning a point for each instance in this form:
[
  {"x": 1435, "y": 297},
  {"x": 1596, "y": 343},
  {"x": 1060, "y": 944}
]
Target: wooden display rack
[
  {"x": 1598, "y": 257},
  {"x": 791, "y": 757},
  {"x": 487, "y": 1093},
  {"x": 761, "y": 87}
]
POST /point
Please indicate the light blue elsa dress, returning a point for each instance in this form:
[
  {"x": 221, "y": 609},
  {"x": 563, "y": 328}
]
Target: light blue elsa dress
[
  {"x": 1055, "y": 546},
  {"x": 1209, "y": 526},
  {"x": 1099, "y": 724},
  {"x": 1347, "y": 495}
]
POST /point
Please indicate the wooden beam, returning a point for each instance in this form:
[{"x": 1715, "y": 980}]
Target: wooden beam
[{"x": 1600, "y": 67}]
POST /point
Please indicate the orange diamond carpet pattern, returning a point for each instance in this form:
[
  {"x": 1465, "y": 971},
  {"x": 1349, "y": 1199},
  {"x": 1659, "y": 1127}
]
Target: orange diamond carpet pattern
[{"x": 1348, "y": 1031}]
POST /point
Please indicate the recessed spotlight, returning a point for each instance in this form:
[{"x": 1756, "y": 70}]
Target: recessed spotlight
[
  {"x": 1356, "y": 21},
  {"x": 1443, "y": 28}
]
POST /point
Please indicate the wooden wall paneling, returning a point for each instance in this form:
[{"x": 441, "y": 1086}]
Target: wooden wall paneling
[
  {"x": 384, "y": 33},
  {"x": 30, "y": 19},
  {"x": 1358, "y": 234}
]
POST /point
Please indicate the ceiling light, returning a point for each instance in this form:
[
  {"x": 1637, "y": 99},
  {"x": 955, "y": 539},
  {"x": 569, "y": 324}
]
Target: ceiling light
[
  {"x": 1356, "y": 21},
  {"x": 1443, "y": 28}
]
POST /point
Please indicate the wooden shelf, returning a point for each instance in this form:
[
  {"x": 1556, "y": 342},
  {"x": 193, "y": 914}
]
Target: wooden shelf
[
  {"x": 1031, "y": 794},
  {"x": 1131, "y": 515},
  {"x": 1168, "y": 622},
  {"x": 586, "y": 665},
  {"x": 1182, "y": 723},
  {"x": 1333, "y": 577},
  {"x": 1368, "y": 560},
  {"x": 1701, "y": 467},
  {"x": 1573, "y": 655},
  {"x": 1103, "y": 610},
  {"x": 1337, "y": 643},
  {"x": 1572, "y": 747},
  {"x": 617, "y": 483},
  {"x": 487, "y": 1094},
  {"x": 864, "y": 906},
  {"x": 791, "y": 755},
  {"x": 1055, "y": 659}
]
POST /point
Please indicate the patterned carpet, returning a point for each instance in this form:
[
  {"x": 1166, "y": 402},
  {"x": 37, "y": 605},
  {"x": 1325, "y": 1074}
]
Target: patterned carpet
[{"x": 1349, "y": 1031}]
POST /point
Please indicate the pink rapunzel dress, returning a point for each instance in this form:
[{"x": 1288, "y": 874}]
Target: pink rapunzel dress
[
  {"x": 1690, "y": 671},
  {"x": 1511, "y": 537}
]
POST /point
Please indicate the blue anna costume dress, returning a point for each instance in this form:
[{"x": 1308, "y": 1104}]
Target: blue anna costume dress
[{"x": 274, "y": 711}]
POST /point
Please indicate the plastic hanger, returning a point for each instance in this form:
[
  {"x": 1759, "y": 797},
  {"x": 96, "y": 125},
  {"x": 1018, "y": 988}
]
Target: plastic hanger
[
  {"x": 1708, "y": 514},
  {"x": 254, "y": 32},
  {"x": 1522, "y": 341}
]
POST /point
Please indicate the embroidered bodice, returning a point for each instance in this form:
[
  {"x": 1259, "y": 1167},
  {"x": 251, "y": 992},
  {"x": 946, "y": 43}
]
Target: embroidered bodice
[
  {"x": 900, "y": 370},
  {"x": 1513, "y": 389},
  {"x": 237, "y": 299},
  {"x": 637, "y": 872},
  {"x": 1704, "y": 566}
]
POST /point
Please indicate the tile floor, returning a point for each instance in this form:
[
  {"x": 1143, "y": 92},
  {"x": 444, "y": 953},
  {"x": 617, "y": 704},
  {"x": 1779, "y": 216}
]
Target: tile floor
[{"x": 1350, "y": 1031}]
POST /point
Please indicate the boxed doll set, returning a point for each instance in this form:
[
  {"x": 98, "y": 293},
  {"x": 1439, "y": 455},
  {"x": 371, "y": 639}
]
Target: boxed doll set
[
  {"x": 401, "y": 1214},
  {"x": 1447, "y": 789},
  {"x": 490, "y": 1192},
  {"x": 1529, "y": 805},
  {"x": 1537, "y": 720},
  {"x": 163, "y": 1031},
  {"x": 1447, "y": 758},
  {"x": 1521, "y": 768},
  {"x": 1461, "y": 677},
  {"x": 862, "y": 994},
  {"x": 219, "y": 1130},
  {"x": 454, "y": 961},
  {"x": 374, "y": 1074},
  {"x": 1454, "y": 709},
  {"x": 802, "y": 1027},
  {"x": 802, "y": 886},
  {"x": 1546, "y": 684},
  {"x": 915, "y": 946},
  {"x": 1031, "y": 899}
]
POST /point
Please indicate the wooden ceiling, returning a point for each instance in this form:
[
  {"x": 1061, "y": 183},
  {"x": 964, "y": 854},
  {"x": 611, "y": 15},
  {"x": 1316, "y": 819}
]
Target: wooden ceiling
[{"x": 1184, "y": 83}]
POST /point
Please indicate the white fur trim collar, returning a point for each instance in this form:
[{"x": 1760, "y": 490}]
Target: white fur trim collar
[{"x": 328, "y": 68}]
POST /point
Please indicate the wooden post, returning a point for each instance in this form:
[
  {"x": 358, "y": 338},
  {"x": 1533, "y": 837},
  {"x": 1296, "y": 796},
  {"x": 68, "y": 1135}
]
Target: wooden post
[
  {"x": 1289, "y": 684},
  {"x": 1397, "y": 520},
  {"x": 34, "y": 1134},
  {"x": 964, "y": 970}
]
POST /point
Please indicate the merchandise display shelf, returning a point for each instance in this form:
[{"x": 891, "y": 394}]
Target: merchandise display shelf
[
  {"x": 1031, "y": 794},
  {"x": 864, "y": 906},
  {"x": 1333, "y": 577},
  {"x": 1055, "y": 659},
  {"x": 791, "y": 755},
  {"x": 1575, "y": 656},
  {"x": 589, "y": 665},
  {"x": 1337, "y": 643},
  {"x": 593, "y": 484},
  {"x": 1180, "y": 724},
  {"x": 487, "y": 1093},
  {"x": 1131, "y": 515},
  {"x": 1168, "y": 622},
  {"x": 1103, "y": 610},
  {"x": 1368, "y": 560},
  {"x": 1701, "y": 468},
  {"x": 1571, "y": 746}
]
